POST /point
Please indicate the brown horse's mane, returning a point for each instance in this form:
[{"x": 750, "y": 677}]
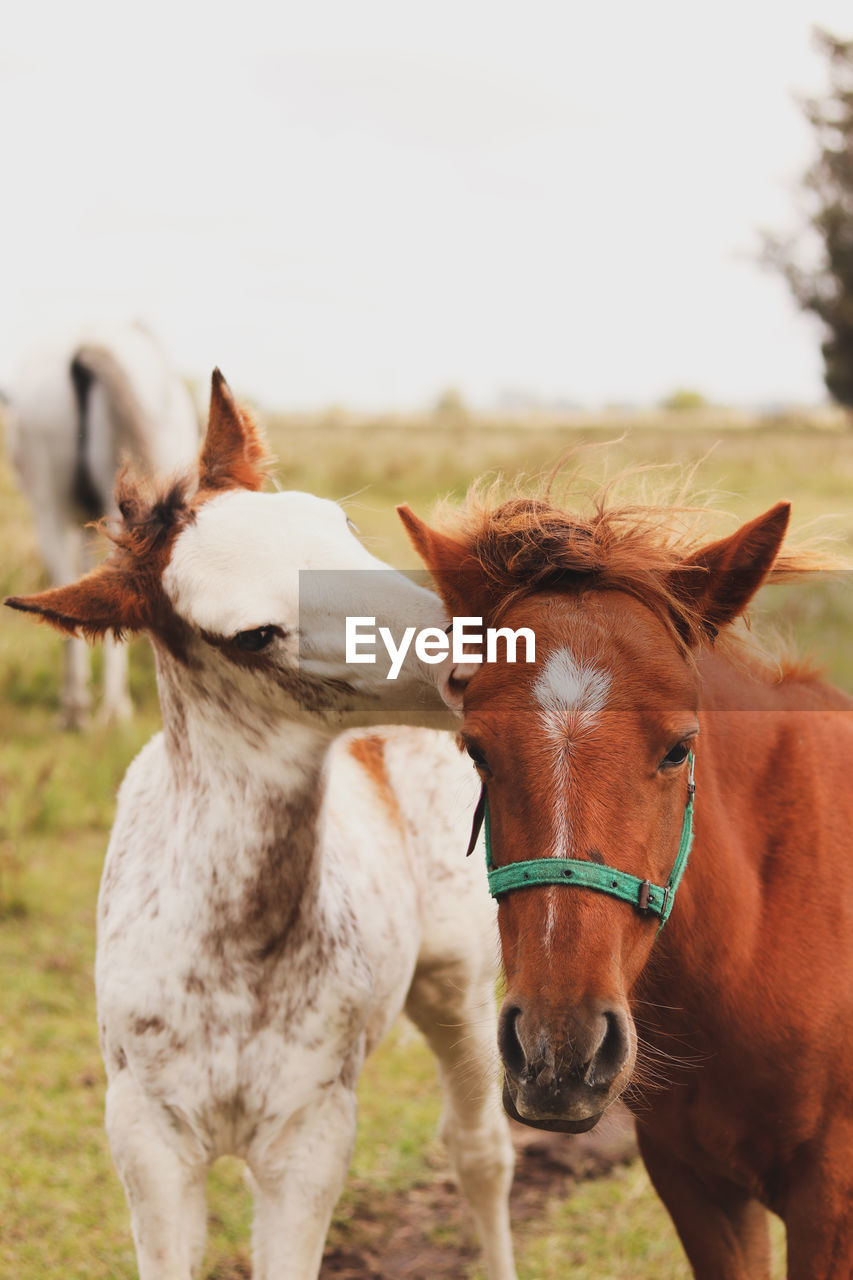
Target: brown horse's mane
[{"x": 526, "y": 544}]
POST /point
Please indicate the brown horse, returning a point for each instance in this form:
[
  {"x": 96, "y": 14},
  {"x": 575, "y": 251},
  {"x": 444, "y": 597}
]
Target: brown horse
[{"x": 731, "y": 1028}]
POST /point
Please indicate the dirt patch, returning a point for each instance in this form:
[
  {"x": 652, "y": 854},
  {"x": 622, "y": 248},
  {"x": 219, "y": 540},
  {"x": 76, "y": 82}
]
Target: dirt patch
[{"x": 399, "y": 1236}]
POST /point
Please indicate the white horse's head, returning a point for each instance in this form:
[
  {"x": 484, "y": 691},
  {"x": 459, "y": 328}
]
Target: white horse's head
[{"x": 227, "y": 579}]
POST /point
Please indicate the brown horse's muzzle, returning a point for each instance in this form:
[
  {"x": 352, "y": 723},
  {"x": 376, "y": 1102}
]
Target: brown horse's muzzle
[{"x": 564, "y": 1081}]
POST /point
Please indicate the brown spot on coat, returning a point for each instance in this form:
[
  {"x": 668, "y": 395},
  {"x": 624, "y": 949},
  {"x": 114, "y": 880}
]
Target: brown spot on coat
[
  {"x": 369, "y": 752},
  {"x": 142, "y": 1025}
]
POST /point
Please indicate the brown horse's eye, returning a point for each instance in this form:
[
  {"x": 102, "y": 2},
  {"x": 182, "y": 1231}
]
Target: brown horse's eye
[
  {"x": 676, "y": 756},
  {"x": 479, "y": 760},
  {"x": 256, "y": 639}
]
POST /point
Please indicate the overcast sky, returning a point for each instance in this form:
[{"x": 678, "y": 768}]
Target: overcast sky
[{"x": 362, "y": 202}]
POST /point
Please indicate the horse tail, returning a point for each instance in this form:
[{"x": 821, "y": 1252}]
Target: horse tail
[
  {"x": 85, "y": 492},
  {"x": 131, "y": 428}
]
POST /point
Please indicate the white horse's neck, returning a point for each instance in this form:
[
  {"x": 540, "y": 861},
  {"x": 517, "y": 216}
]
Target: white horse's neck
[
  {"x": 249, "y": 792},
  {"x": 219, "y": 736}
]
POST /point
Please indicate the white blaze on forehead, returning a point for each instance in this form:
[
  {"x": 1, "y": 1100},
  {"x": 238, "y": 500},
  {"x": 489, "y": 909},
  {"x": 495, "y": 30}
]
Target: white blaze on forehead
[{"x": 572, "y": 694}]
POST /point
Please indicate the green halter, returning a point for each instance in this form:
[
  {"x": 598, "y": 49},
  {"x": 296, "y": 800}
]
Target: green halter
[{"x": 651, "y": 898}]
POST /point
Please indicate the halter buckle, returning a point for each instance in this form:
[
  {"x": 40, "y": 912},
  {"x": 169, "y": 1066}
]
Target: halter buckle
[{"x": 643, "y": 895}]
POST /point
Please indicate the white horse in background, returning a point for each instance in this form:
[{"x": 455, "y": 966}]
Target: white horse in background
[
  {"x": 79, "y": 407},
  {"x": 277, "y": 890}
]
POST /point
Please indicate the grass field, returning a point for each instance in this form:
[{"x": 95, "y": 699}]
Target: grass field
[{"x": 62, "y": 1212}]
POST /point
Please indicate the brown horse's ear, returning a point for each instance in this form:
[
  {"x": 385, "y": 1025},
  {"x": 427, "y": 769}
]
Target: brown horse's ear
[
  {"x": 234, "y": 454},
  {"x": 717, "y": 582},
  {"x": 463, "y": 587},
  {"x": 102, "y": 601},
  {"x": 457, "y": 574}
]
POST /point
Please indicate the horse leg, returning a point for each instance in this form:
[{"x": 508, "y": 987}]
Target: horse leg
[
  {"x": 75, "y": 699},
  {"x": 457, "y": 1018},
  {"x": 61, "y": 545},
  {"x": 724, "y": 1232},
  {"x": 164, "y": 1185},
  {"x": 296, "y": 1178},
  {"x": 819, "y": 1211},
  {"x": 821, "y": 1248},
  {"x": 116, "y": 705}
]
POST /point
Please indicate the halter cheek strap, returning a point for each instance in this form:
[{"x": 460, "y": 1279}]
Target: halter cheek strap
[{"x": 649, "y": 898}]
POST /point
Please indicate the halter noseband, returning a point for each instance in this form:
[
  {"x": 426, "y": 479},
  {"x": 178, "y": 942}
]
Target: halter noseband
[{"x": 652, "y": 899}]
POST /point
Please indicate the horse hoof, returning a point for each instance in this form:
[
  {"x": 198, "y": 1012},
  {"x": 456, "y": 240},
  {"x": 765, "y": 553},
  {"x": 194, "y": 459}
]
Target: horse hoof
[
  {"x": 74, "y": 719},
  {"x": 115, "y": 712}
]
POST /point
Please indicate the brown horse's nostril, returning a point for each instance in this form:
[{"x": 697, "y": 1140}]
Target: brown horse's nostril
[
  {"x": 509, "y": 1041},
  {"x": 611, "y": 1053}
]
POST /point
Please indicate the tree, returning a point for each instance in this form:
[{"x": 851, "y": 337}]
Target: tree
[
  {"x": 682, "y": 399},
  {"x": 824, "y": 285},
  {"x": 450, "y": 404}
]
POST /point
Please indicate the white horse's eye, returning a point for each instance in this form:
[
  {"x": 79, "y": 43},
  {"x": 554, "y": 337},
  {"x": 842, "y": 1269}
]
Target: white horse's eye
[
  {"x": 256, "y": 639},
  {"x": 352, "y": 524}
]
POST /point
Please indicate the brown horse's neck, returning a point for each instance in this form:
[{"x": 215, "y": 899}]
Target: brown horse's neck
[{"x": 769, "y": 786}]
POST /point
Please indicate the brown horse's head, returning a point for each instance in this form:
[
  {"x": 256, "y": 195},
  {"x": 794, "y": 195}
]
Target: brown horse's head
[{"x": 584, "y": 755}]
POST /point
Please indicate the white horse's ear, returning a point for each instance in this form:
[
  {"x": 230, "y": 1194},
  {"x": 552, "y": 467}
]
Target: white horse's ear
[
  {"x": 101, "y": 601},
  {"x": 234, "y": 454}
]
